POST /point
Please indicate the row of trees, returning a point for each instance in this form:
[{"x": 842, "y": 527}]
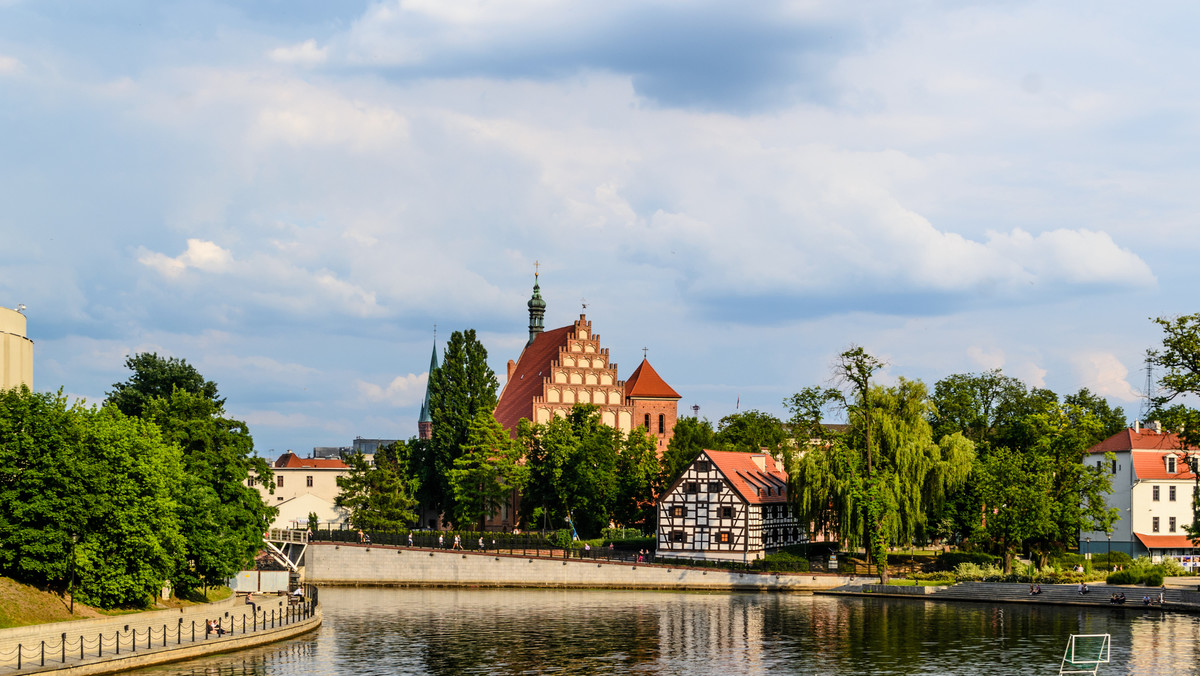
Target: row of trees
[{"x": 146, "y": 489}]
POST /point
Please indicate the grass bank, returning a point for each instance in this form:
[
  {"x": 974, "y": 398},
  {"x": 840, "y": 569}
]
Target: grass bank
[{"x": 22, "y": 605}]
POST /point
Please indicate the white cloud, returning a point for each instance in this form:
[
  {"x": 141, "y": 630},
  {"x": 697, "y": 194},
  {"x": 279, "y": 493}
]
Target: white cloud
[
  {"x": 1104, "y": 374},
  {"x": 986, "y": 359},
  {"x": 402, "y": 391},
  {"x": 200, "y": 254},
  {"x": 10, "y": 65},
  {"x": 1029, "y": 373},
  {"x": 306, "y": 54}
]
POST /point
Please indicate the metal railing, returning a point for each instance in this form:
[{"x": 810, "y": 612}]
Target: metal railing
[{"x": 162, "y": 636}]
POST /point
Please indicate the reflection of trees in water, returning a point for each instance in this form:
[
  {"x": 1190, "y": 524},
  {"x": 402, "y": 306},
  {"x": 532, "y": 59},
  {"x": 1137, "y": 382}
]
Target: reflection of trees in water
[{"x": 292, "y": 657}]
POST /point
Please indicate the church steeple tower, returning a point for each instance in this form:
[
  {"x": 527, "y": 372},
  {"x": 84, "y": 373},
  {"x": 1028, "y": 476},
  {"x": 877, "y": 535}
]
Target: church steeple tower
[
  {"x": 425, "y": 422},
  {"x": 537, "y": 308}
]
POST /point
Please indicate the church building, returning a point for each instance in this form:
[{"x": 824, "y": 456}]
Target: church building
[{"x": 566, "y": 366}]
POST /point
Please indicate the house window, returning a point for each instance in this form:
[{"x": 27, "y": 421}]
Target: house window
[
  {"x": 279, "y": 480},
  {"x": 1114, "y": 466},
  {"x": 1171, "y": 493},
  {"x": 1154, "y": 493},
  {"x": 693, "y": 487},
  {"x": 724, "y": 538},
  {"x": 647, "y": 422},
  {"x": 309, "y": 480},
  {"x": 662, "y": 424},
  {"x": 703, "y": 466},
  {"x": 1171, "y": 524},
  {"x": 726, "y": 512},
  {"x": 678, "y": 536},
  {"x": 1154, "y": 524},
  {"x": 250, "y": 482},
  {"x": 714, "y": 487},
  {"x": 679, "y": 510},
  {"x": 1170, "y": 464}
]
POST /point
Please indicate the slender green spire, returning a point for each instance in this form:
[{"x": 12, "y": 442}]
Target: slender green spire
[
  {"x": 537, "y": 309},
  {"x": 426, "y": 413}
]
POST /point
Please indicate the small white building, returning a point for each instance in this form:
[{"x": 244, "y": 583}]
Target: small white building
[
  {"x": 729, "y": 506},
  {"x": 296, "y": 476},
  {"x": 293, "y": 513},
  {"x": 1152, "y": 486}
]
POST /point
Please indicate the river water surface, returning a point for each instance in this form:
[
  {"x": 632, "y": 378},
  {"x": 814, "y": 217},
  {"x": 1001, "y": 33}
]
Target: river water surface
[{"x": 441, "y": 631}]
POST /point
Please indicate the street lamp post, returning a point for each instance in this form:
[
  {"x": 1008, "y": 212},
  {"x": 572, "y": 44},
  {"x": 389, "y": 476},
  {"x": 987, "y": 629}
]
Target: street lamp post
[
  {"x": 1109, "y": 566},
  {"x": 1089, "y": 548}
]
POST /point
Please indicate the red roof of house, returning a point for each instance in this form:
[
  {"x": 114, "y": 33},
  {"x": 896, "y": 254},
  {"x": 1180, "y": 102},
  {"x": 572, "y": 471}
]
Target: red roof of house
[
  {"x": 645, "y": 383},
  {"x": 1128, "y": 439},
  {"x": 290, "y": 460},
  {"x": 1153, "y": 465},
  {"x": 751, "y": 482},
  {"x": 1165, "y": 541},
  {"x": 533, "y": 367}
]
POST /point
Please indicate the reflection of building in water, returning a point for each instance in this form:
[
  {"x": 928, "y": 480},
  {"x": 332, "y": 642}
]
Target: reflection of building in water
[{"x": 710, "y": 630}]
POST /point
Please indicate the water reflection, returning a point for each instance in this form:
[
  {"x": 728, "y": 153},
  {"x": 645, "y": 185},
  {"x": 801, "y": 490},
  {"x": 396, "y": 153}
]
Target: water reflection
[{"x": 439, "y": 631}]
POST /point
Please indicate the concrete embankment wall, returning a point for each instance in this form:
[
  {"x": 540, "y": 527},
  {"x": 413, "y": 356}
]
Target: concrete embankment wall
[{"x": 359, "y": 565}]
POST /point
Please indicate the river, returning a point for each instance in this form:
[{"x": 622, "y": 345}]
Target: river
[{"x": 446, "y": 631}]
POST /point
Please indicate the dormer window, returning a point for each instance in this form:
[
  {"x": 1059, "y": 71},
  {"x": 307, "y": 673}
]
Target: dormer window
[{"x": 1170, "y": 464}]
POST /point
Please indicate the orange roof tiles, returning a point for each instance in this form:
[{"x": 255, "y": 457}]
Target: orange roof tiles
[
  {"x": 1153, "y": 465},
  {"x": 1165, "y": 541},
  {"x": 1148, "y": 450},
  {"x": 645, "y": 383},
  {"x": 533, "y": 366},
  {"x": 750, "y": 481},
  {"x": 290, "y": 460}
]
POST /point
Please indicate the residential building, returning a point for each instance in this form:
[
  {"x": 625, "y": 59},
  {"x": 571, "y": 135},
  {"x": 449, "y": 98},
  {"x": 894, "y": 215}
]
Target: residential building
[
  {"x": 1152, "y": 486},
  {"x": 301, "y": 486},
  {"x": 729, "y": 506},
  {"x": 16, "y": 351}
]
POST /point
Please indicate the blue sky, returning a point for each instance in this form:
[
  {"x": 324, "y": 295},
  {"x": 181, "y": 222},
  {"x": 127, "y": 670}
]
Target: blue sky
[{"x": 291, "y": 195}]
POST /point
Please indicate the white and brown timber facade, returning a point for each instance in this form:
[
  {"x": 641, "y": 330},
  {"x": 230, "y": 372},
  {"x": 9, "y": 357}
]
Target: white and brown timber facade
[{"x": 729, "y": 506}]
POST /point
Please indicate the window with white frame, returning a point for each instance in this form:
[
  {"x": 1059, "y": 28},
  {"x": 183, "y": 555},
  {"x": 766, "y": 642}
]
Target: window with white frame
[
  {"x": 1170, "y": 464},
  {"x": 1154, "y": 524},
  {"x": 1171, "y": 493},
  {"x": 1154, "y": 492}
]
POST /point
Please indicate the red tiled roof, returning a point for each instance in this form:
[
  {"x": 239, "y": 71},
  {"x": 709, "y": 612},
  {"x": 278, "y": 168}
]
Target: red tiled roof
[
  {"x": 646, "y": 383},
  {"x": 1153, "y": 465},
  {"x": 1165, "y": 541},
  {"x": 290, "y": 460},
  {"x": 1127, "y": 439},
  {"x": 533, "y": 367},
  {"x": 747, "y": 479}
]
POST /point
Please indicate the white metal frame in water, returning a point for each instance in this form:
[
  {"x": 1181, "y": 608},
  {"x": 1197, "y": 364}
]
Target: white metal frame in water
[{"x": 1085, "y": 664}]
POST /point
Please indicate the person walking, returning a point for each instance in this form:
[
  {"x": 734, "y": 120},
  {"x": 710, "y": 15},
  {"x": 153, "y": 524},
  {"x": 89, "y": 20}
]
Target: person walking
[
  {"x": 441, "y": 541},
  {"x": 482, "y": 547},
  {"x": 457, "y": 542},
  {"x": 410, "y": 538}
]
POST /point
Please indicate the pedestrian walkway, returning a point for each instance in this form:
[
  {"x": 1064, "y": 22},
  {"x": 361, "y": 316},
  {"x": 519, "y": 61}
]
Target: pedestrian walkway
[
  {"x": 1018, "y": 592},
  {"x": 70, "y": 645}
]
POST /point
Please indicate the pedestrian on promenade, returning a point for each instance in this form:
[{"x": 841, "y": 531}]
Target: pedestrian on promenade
[
  {"x": 457, "y": 541},
  {"x": 441, "y": 541},
  {"x": 410, "y": 538},
  {"x": 482, "y": 548},
  {"x": 250, "y": 602}
]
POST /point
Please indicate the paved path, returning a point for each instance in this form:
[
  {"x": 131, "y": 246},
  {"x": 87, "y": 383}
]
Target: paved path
[{"x": 1174, "y": 598}]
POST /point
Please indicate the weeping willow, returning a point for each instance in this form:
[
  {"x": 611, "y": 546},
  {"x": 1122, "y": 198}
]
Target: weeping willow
[{"x": 911, "y": 471}]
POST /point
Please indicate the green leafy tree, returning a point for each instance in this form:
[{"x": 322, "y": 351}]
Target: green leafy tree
[
  {"x": 226, "y": 517},
  {"x": 750, "y": 432},
  {"x": 1018, "y": 488},
  {"x": 378, "y": 496},
  {"x": 1109, "y": 420},
  {"x": 691, "y": 436},
  {"x": 1179, "y": 359},
  {"x": 637, "y": 481},
  {"x": 460, "y": 389},
  {"x": 157, "y": 377},
  {"x": 488, "y": 475}
]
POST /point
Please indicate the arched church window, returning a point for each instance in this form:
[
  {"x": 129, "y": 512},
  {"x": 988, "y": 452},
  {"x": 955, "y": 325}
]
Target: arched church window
[
  {"x": 662, "y": 424},
  {"x": 647, "y": 422}
]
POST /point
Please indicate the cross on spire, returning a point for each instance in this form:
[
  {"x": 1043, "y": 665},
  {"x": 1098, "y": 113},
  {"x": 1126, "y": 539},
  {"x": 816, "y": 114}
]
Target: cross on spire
[
  {"x": 583, "y": 302},
  {"x": 644, "y": 351},
  {"x": 537, "y": 266}
]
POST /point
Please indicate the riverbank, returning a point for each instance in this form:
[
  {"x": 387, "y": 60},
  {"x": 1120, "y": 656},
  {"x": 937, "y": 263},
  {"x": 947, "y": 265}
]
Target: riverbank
[
  {"x": 343, "y": 564},
  {"x": 113, "y": 644}
]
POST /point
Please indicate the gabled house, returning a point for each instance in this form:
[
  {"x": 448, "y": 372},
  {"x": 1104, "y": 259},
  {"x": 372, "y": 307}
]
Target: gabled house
[
  {"x": 729, "y": 506},
  {"x": 1152, "y": 486}
]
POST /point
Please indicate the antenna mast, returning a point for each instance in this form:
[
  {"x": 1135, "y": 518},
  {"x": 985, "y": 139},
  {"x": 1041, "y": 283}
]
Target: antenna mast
[{"x": 1148, "y": 392}]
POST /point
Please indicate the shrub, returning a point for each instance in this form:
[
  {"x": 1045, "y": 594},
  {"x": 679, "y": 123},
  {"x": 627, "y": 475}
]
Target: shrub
[
  {"x": 1154, "y": 578},
  {"x": 783, "y": 562},
  {"x": 1172, "y": 567},
  {"x": 972, "y": 572},
  {"x": 952, "y": 560},
  {"x": 1124, "y": 577}
]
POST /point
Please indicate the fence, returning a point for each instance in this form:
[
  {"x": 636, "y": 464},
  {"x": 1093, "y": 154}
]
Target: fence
[
  {"x": 130, "y": 639},
  {"x": 524, "y": 544}
]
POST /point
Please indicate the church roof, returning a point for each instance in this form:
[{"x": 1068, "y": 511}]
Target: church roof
[
  {"x": 645, "y": 383},
  {"x": 533, "y": 366},
  {"x": 426, "y": 410}
]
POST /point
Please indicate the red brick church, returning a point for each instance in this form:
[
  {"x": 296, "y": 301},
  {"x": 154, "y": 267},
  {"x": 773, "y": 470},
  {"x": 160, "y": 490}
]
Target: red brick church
[{"x": 566, "y": 366}]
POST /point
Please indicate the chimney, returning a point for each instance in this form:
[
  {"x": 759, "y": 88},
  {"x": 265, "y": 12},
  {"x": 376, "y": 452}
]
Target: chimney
[
  {"x": 760, "y": 460},
  {"x": 1156, "y": 426},
  {"x": 1137, "y": 424},
  {"x": 512, "y": 366}
]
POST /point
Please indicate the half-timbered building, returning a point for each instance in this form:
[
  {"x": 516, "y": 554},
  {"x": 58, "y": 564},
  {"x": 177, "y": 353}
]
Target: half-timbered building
[{"x": 727, "y": 505}]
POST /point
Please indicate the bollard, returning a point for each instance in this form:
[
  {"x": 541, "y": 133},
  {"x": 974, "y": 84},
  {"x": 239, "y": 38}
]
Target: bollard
[
  {"x": 64, "y": 647},
  {"x": 193, "y": 631},
  {"x": 18, "y": 657},
  {"x": 43, "y": 653},
  {"x": 100, "y": 645}
]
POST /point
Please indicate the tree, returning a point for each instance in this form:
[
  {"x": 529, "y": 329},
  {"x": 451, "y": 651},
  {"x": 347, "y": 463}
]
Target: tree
[
  {"x": 461, "y": 388},
  {"x": 225, "y": 518},
  {"x": 89, "y": 482},
  {"x": 975, "y": 404},
  {"x": 1179, "y": 358},
  {"x": 487, "y": 476},
  {"x": 157, "y": 377},
  {"x": 378, "y": 496},
  {"x": 690, "y": 437},
  {"x": 1018, "y": 487},
  {"x": 1110, "y": 420},
  {"x": 637, "y": 481},
  {"x": 750, "y": 432}
]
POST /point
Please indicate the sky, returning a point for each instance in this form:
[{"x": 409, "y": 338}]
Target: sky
[{"x": 291, "y": 195}]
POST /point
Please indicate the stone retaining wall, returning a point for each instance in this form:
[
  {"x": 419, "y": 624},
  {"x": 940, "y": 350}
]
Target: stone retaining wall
[
  {"x": 361, "y": 565},
  {"x": 910, "y": 590}
]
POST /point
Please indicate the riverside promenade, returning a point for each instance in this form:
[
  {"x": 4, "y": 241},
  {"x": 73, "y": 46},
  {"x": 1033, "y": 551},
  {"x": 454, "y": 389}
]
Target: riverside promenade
[
  {"x": 346, "y": 564},
  {"x": 1174, "y": 598},
  {"x": 111, "y": 644}
]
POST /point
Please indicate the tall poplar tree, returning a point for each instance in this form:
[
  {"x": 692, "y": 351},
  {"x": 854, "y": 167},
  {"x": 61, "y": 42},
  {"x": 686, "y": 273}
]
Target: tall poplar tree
[
  {"x": 462, "y": 387},
  {"x": 485, "y": 477}
]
